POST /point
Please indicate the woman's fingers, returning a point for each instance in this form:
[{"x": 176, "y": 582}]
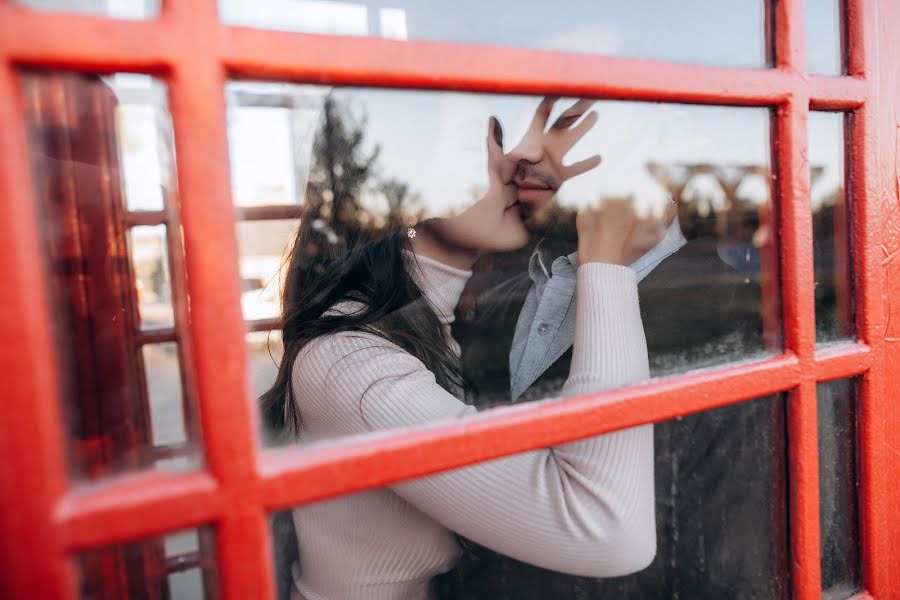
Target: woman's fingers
[
  {"x": 494, "y": 140},
  {"x": 670, "y": 212},
  {"x": 495, "y": 131}
]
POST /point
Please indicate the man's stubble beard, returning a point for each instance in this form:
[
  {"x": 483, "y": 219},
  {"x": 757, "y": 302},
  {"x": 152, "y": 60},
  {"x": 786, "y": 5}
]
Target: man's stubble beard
[{"x": 557, "y": 234}]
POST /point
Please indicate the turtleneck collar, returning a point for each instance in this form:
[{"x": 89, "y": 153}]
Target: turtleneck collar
[{"x": 441, "y": 284}]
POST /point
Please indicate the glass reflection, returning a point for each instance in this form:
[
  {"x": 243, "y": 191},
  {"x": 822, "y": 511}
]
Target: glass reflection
[
  {"x": 120, "y": 9},
  {"x": 825, "y": 37},
  {"x": 177, "y": 566},
  {"x": 430, "y": 227},
  {"x": 163, "y": 372},
  {"x": 261, "y": 245},
  {"x": 720, "y": 486},
  {"x": 265, "y": 351},
  {"x": 831, "y": 227},
  {"x": 101, "y": 152},
  {"x": 731, "y": 33},
  {"x": 150, "y": 263},
  {"x": 838, "y": 491},
  {"x": 146, "y": 142},
  {"x": 375, "y": 162}
]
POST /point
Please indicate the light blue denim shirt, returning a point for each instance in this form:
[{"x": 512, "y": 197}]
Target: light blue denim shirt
[{"x": 546, "y": 326}]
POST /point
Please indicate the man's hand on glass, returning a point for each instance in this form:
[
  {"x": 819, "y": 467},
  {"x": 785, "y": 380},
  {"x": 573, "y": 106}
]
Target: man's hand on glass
[{"x": 608, "y": 231}]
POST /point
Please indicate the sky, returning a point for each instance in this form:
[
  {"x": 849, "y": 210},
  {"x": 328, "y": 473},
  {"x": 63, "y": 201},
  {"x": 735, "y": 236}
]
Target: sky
[
  {"x": 435, "y": 140},
  {"x": 721, "y": 32}
]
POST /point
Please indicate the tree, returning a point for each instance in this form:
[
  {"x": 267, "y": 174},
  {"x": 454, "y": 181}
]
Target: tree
[
  {"x": 341, "y": 167},
  {"x": 402, "y": 202}
]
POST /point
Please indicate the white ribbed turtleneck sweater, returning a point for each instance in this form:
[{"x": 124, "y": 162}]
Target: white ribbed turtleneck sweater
[{"x": 585, "y": 507}]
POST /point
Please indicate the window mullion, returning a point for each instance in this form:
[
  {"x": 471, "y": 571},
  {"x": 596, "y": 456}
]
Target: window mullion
[{"x": 32, "y": 468}]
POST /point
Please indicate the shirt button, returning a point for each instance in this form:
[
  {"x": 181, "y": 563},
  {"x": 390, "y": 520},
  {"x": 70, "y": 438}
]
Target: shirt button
[{"x": 543, "y": 328}]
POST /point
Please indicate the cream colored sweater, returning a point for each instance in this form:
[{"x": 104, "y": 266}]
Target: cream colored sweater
[{"x": 585, "y": 507}]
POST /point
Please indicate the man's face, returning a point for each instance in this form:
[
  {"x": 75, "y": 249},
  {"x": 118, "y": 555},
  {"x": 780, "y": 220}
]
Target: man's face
[{"x": 535, "y": 163}]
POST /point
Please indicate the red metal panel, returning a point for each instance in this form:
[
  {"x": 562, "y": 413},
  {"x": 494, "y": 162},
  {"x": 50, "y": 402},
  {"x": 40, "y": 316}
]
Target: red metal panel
[
  {"x": 843, "y": 361},
  {"x": 216, "y": 335},
  {"x": 297, "y": 476},
  {"x": 357, "y": 465},
  {"x": 798, "y": 302},
  {"x": 337, "y": 60},
  {"x": 88, "y": 43},
  {"x": 836, "y": 93},
  {"x": 875, "y": 205},
  {"x": 32, "y": 470},
  {"x": 189, "y": 44},
  {"x": 164, "y": 501}
]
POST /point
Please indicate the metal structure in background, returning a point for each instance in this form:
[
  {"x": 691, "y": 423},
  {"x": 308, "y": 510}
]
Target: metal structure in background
[{"x": 44, "y": 521}]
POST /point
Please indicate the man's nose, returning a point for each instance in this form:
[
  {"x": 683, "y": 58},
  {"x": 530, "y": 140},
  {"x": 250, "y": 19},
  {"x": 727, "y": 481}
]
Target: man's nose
[{"x": 529, "y": 150}]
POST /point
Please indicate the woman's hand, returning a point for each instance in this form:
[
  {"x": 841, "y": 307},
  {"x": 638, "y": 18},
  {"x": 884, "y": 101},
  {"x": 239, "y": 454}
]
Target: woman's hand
[
  {"x": 491, "y": 223},
  {"x": 612, "y": 232}
]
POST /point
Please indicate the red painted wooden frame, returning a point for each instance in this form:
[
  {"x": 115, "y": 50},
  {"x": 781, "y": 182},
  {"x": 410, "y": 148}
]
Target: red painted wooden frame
[{"x": 43, "y": 520}]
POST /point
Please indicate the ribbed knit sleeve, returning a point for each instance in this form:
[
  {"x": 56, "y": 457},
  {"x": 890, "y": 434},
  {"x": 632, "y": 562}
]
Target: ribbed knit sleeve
[
  {"x": 610, "y": 349},
  {"x": 585, "y": 507}
]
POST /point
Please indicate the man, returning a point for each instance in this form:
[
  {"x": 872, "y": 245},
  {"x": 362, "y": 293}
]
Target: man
[{"x": 531, "y": 318}]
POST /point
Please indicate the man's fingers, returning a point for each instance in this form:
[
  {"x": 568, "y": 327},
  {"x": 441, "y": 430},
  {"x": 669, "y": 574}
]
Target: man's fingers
[
  {"x": 586, "y": 124},
  {"x": 580, "y": 107},
  {"x": 542, "y": 114},
  {"x": 582, "y": 166}
]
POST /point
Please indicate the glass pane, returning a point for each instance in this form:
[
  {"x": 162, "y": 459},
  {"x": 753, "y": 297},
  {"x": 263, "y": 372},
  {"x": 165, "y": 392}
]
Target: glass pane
[
  {"x": 831, "y": 227},
  {"x": 265, "y": 350},
  {"x": 266, "y": 124},
  {"x": 838, "y": 491},
  {"x": 145, "y": 570},
  {"x": 164, "y": 386},
  {"x": 120, "y": 9},
  {"x": 181, "y": 543},
  {"x": 262, "y": 246},
  {"x": 381, "y": 161},
  {"x": 824, "y": 37},
  {"x": 145, "y": 139},
  {"x": 121, "y": 401},
  {"x": 703, "y": 31},
  {"x": 720, "y": 512},
  {"x": 150, "y": 263}
]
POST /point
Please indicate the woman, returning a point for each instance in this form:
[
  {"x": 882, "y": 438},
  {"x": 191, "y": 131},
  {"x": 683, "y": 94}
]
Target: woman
[{"x": 367, "y": 347}]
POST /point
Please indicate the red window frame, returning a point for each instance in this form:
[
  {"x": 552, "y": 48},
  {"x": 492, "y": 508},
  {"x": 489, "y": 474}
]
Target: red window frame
[{"x": 43, "y": 520}]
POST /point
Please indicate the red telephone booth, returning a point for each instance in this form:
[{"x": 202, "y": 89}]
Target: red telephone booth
[{"x": 83, "y": 508}]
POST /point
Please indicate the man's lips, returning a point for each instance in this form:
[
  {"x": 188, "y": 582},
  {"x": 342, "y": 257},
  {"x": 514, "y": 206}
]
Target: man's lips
[
  {"x": 533, "y": 193},
  {"x": 533, "y": 190},
  {"x": 530, "y": 184}
]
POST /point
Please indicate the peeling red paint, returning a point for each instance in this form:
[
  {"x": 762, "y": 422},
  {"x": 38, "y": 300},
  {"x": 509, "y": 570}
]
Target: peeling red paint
[{"x": 42, "y": 521}]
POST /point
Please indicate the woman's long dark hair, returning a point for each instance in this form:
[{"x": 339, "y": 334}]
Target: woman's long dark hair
[{"x": 377, "y": 274}]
